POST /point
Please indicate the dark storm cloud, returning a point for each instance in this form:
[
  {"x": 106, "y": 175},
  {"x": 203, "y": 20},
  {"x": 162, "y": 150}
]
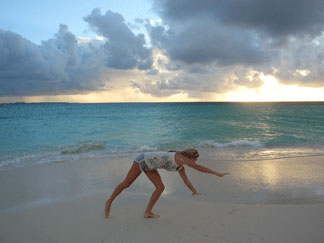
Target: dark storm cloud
[
  {"x": 57, "y": 65},
  {"x": 233, "y": 31},
  {"x": 276, "y": 17},
  {"x": 219, "y": 45},
  {"x": 125, "y": 49},
  {"x": 200, "y": 47},
  {"x": 63, "y": 66},
  {"x": 301, "y": 63},
  {"x": 203, "y": 40}
]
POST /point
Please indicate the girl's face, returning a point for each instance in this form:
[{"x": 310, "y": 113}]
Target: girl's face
[
  {"x": 196, "y": 154},
  {"x": 194, "y": 158}
]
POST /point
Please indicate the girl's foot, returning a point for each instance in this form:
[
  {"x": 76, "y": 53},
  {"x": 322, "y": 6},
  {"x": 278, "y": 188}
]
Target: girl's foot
[
  {"x": 151, "y": 216},
  {"x": 107, "y": 213},
  {"x": 107, "y": 209}
]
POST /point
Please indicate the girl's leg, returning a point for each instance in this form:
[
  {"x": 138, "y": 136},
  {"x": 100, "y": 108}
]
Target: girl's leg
[
  {"x": 133, "y": 173},
  {"x": 155, "y": 178}
]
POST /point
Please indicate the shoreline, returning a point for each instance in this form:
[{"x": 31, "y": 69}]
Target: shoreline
[
  {"x": 270, "y": 178},
  {"x": 235, "y": 151}
]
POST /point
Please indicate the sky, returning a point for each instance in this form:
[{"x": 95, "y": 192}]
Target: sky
[{"x": 161, "y": 50}]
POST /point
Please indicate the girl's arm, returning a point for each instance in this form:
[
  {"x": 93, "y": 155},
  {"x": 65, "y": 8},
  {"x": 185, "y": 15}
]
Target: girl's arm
[
  {"x": 182, "y": 173},
  {"x": 206, "y": 170}
]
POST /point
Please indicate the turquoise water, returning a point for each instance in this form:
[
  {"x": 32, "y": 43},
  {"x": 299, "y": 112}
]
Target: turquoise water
[{"x": 45, "y": 132}]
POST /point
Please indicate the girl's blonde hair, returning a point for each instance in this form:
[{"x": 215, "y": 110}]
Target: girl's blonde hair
[{"x": 190, "y": 153}]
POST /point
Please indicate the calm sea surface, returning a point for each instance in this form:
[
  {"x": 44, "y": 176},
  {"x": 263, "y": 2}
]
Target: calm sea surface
[{"x": 46, "y": 132}]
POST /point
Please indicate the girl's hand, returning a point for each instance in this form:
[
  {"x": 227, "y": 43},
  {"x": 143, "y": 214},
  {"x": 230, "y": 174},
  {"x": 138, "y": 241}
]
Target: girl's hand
[
  {"x": 196, "y": 193},
  {"x": 221, "y": 174}
]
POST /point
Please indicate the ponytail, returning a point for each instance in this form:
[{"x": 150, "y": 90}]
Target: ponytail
[{"x": 189, "y": 153}]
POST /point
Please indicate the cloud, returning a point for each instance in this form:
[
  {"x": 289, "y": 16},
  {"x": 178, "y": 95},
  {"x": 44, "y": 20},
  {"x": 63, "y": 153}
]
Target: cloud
[
  {"x": 277, "y": 18},
  {"x": 57, "y": 65},
  {"x": 125, "y": 50},
  {"x": 198, "y": 81},
  {"x": 66, "y": 64},
  {"x": 202, "y": 40},
  {"x": 301, "y": 63},
  {"x": 216, "y": 46},
  {"x": 196, "y": 48},
  {"x": 233, "y": 32}
]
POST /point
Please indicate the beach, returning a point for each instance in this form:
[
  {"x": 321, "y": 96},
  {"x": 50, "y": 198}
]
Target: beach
[
  {"x": 88, "y": 88},
  {"x": 60, "y": 162},
  {"x": 260, "y": 201}
]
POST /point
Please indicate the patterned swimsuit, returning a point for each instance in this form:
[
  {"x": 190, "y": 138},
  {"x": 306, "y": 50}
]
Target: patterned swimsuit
[{"x": 157, "y": 160}]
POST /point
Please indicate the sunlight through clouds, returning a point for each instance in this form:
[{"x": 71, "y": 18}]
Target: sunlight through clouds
[
  {"x": 171, "y": 50},
  {"x": 272, "y": 90}
]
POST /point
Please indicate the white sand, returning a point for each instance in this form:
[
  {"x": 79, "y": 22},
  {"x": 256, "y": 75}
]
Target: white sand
[
  {"x": 216, "y": 216},
  {"x": 82, "y": 220}
]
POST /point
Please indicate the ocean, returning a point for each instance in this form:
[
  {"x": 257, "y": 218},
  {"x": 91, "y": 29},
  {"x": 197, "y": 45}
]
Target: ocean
[{"x": 37, "y": 133}]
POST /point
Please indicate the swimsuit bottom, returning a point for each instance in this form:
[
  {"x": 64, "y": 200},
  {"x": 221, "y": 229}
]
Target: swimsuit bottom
[{"x": 140, "y": 159}]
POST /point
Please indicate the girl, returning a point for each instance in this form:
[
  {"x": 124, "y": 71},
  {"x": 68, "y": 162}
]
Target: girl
[{"x": 149, "y": 163}]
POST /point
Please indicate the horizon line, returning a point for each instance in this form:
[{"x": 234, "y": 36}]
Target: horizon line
[{"x": 160, "y": 102}]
